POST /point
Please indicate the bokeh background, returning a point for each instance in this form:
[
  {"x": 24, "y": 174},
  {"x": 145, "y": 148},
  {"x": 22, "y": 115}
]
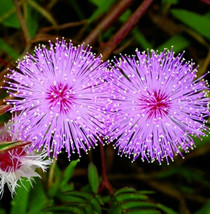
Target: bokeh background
[{"x": 183, "y": 186}]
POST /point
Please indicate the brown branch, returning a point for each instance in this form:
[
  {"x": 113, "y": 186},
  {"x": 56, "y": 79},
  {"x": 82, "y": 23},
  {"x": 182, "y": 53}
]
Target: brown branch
[
  {"x": 22, "y": 22},
  {"x": 125, "y": 29},
  {"x": 108, "y": 20},
  {"x": 63, "y": 26}
]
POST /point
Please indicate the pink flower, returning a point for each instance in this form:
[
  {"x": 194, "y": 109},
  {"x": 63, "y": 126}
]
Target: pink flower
[
  {"x": 61, "y": 95},
  {"x": 157, "y": 105},
  {"x": 18, "y": 162}
]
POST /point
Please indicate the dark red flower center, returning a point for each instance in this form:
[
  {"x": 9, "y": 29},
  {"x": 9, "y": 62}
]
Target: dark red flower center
[
  {"x": 157, "y": 104},
  {"x": 60, "y": 97},
  {"x": 10, "y": 161}
]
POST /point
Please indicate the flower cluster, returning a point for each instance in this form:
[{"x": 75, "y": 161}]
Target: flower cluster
[
  {"x": 158, "y": 105},
  {"x": 61, "y": 95},
  {"x": 18, "y": 162},
  {"x": 150, "y": 105}
]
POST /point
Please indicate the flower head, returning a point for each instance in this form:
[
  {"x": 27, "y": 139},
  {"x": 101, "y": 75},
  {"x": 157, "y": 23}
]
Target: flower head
[
  {"x": 158, "y": 105},
  {"x": 19, "y": 162},
  {"x": 60, "y": 93}
]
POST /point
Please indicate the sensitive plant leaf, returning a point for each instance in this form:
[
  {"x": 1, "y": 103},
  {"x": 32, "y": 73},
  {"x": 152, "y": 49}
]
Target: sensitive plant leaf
[
  {"x": 137, "y": 204},
  {"x": 8, "y": 16},
  {"x": 169, "y": 2},
  {"x": 178, "y": 42},
  {"x": 20, "y": 201},
  {"x": 86, "y": 202},
  {"x": 83, "y": 195},
  {"x": 100, "y": 200},
  {"x": 69, "y": 172},
  {"x": 93, "y": 177},
  {"x": 165, "y": 209},
  {"x": 199, "y": 23},
  {"x": 131, "y": 196},
  {"x": 8, "y": 49},
  {"x": 143, "y": 212},
  {"x": 124, "y": 190},
  {"x": 129, "y": 200},
  {"x": 65, "y": 209}
]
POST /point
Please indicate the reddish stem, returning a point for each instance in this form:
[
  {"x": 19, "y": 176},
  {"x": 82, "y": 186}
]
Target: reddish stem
[
  {"x": 125, "y": 29},
  {"x": 108, "y": 20},
  {"x": 4, "y": 109},
  {"x": 105, "y": 182}
]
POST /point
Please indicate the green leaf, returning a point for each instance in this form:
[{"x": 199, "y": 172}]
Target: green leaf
[
  {"x": 136, "y": 204},
  {"x": 37, "y": 198},
  {"x": 200, "y": 142},
  {"x": 83, "y": 195},
  {"x": 124, "y": 17},
  {"x": 8, "y": 49},
  {"x": 54, "y": 189},
  {"x": 199, "y": 23},
  {"x": 93, "y": 177},
  {"x": 67, "y": 209},
  {"x": 32, "y": 20},
  {"x": 140, "y": 38},
  {"x": 20, "y": 202},
  {"x": 143, "y": 212},
  {"x": 69, "y": 172},
  {"x": 178, "y": 42},
  {"x": 97, "y": 3},
  {"x": 124, "y": 190},
  {"x": 129, "y": 200},
  {"x": 8, "y": 16},
  {"x": 169, "y": 2},
  {"x": 103, "y": 6},
  {"x": 165, "y": 209},
  {"x": 84, "y": 201},
  {"x": 131, "y": 196}
]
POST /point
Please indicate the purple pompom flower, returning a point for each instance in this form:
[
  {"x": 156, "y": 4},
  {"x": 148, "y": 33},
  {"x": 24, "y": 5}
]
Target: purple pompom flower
[
  {"x": 60, "y": 94},
  {"x": 157, "y": 105}
]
